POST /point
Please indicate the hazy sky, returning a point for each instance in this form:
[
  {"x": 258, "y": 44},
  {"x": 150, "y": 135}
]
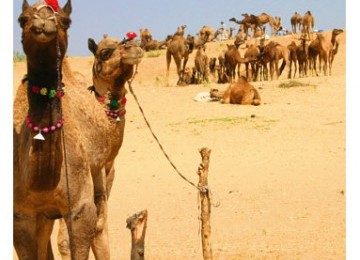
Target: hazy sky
[{"x": 92, "y": 19}]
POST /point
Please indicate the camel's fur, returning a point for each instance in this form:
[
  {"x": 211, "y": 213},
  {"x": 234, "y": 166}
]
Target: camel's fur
[
  {"x": 241, "y": 92},
  {"x": 293, "y": 59},
  {"x": 39, "y": 171},
  {"x": 296, "y": 22},
  {"x": 207, "y": 33}
]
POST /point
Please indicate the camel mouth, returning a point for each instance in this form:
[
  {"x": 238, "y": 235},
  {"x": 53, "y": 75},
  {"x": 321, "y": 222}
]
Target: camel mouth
[
  {"x": 42, "y": 35},
  {"x": 132, "y": 55}
]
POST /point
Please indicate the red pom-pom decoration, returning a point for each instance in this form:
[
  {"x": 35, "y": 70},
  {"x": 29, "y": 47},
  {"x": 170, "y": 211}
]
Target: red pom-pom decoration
[
  {"x": 131, "y": 35},
  {"x": 54, "y": 4}
]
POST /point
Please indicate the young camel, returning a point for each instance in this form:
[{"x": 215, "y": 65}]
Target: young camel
[
  {"x": 114, "y": 63},
  {"x": 241, "y": 93},
  {"x": 58, "y": 152}
]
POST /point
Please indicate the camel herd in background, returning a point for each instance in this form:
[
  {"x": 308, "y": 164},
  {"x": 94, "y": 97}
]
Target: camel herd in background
[{"x": 309, "y": 53}]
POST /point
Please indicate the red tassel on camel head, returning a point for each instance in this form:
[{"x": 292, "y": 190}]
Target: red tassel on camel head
[{"x": 54, "y": 4}]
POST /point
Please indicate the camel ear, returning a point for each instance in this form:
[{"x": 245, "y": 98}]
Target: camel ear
[
  {"x": 92, "y": 46},
  {"x": 25, "y": 5},
  {"x": 67, "y": 8}
]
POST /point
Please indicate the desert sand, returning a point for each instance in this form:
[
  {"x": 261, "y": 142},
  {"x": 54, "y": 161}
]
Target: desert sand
[{"x": 278, "y": 170}]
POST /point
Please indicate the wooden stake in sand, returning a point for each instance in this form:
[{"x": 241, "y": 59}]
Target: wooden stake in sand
[
  {"x": 205, "y": 203},
  {"x": 137, "y": 225}
]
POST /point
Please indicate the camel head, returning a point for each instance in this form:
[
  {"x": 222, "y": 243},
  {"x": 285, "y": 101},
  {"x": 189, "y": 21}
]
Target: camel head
[
  {"x": 113, "y": 62},
  {"x": 190, "y": 43},
  {"x": 44, "y": 31},
  {"x": 215, "y": 94},
  {"x": 336, "y": 32}
]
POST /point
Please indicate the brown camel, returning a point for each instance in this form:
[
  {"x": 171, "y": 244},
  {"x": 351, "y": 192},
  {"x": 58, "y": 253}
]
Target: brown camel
[
  {"x": 179, "y": 48},
  {"x": 232, "y": 59},
  {"x": 180, "y": 31},
  {"x": 293, "y": 59},
  {"x": 114, "y": 63},
  {"x": 252, "y": 52},
  {"x": 302, "y": 53},
  {"x": 43, "y": 165},
  {"x": 308, "y": 23},
  {"x": 296, "y": 22},
  {"x": 241, "y": 92},
  {"x": 277, "y": 24},
  {"x": 335, "y": 43}
]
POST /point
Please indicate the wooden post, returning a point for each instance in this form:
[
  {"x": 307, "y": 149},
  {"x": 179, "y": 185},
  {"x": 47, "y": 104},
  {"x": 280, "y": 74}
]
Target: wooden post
[
  {"x": 137, "y": 225},
  {"x": 205, "y": 203}
]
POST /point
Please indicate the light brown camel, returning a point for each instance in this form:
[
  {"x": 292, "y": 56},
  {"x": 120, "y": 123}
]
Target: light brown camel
[
  {"x": 179, "y": 48},
  {"x": 296, "y": 22},
  {"x": 207, "y": 33},
  {"x": 202, "y": 64},
  {"x": 277, "y": 24},
  {"x": 308, "y": 23},
  {"x": 180, "y": 30},
  {"x": 145, "y": 37},
  {"x": 324, "y": 49},
  {"x": 187, "y": 76},
  {"x": 42, "y": 167},
  {"x": 241, "y": 92},
  {"x": 335, "y": 43},
  {"x": 114, "y": 63},
  {"x": 156, "y": 45}
]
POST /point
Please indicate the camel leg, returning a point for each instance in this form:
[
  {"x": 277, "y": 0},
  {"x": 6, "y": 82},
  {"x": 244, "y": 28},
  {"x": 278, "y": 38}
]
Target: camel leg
[
  {"x": 100, "y": 243},
  {"x": 63, "y": 240},
  {"x": 83, "y": 226},
  {"x": 44, "y": 227},
  {"x": 168, "y": 61},
  {"x": 24, "y": 236}
]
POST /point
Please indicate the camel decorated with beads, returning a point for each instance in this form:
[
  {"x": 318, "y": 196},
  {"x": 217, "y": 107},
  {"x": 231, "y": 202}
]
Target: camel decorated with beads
[
  {"x": 240, "y": 92},
  {"x": 62, "y": 153}
]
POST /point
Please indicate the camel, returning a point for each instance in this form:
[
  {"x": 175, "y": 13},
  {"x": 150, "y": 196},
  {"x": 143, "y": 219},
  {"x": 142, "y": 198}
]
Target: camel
[
  {"x": 202, "y": 64},
  {"x": 252, "y": 52},
  {"x": 156, "y": 45},
  {"x": 241, "y": 92},
  {"x": 277, "y": 24},
  {"x": 180, "y": 31},
  {"x": 187, "y": 76},
  {"x": 302, "y": 53},
  {"x": 233, "y": 59},
  {"x": 179, "y": 48},
  {"x": 293, "y": 59},
  {"x": 335, "y": 43},
  {"x": 207, "y": 33},
  {"x": 114, "y": 63},
  {"x": 308, "y": 22},
  {"x": 296, "y": 22},
  {"x": 145, "y": 37},
  {"x": 43, "y": 165}
]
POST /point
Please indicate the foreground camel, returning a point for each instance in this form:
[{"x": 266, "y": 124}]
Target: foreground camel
[
  {"x": 114, "y": 63},
  {"x": 241, "y": 92},
  {"x": 40, "y": 170},
  {"x": 296, "y": 22}
]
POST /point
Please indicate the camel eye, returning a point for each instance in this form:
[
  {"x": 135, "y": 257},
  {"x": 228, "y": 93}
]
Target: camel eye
[{"x": 106, "y": 53}]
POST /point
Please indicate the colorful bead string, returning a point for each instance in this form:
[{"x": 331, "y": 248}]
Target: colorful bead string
[
  {"x": 46, "y": 129},
  {"x": 52, "y": 93}
]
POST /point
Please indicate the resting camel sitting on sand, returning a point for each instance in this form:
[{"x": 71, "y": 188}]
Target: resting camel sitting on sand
[{"x": 241, "y": 92}]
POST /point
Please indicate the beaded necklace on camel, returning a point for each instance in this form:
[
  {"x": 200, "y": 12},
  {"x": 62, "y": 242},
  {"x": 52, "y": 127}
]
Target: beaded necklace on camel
[
  {"x": 45, "y": 93},
  {"x": 112, "y": 108}
]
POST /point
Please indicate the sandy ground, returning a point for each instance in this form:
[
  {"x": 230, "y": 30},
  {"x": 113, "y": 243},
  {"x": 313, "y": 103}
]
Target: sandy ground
[{"x": 278, "y": 169}]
